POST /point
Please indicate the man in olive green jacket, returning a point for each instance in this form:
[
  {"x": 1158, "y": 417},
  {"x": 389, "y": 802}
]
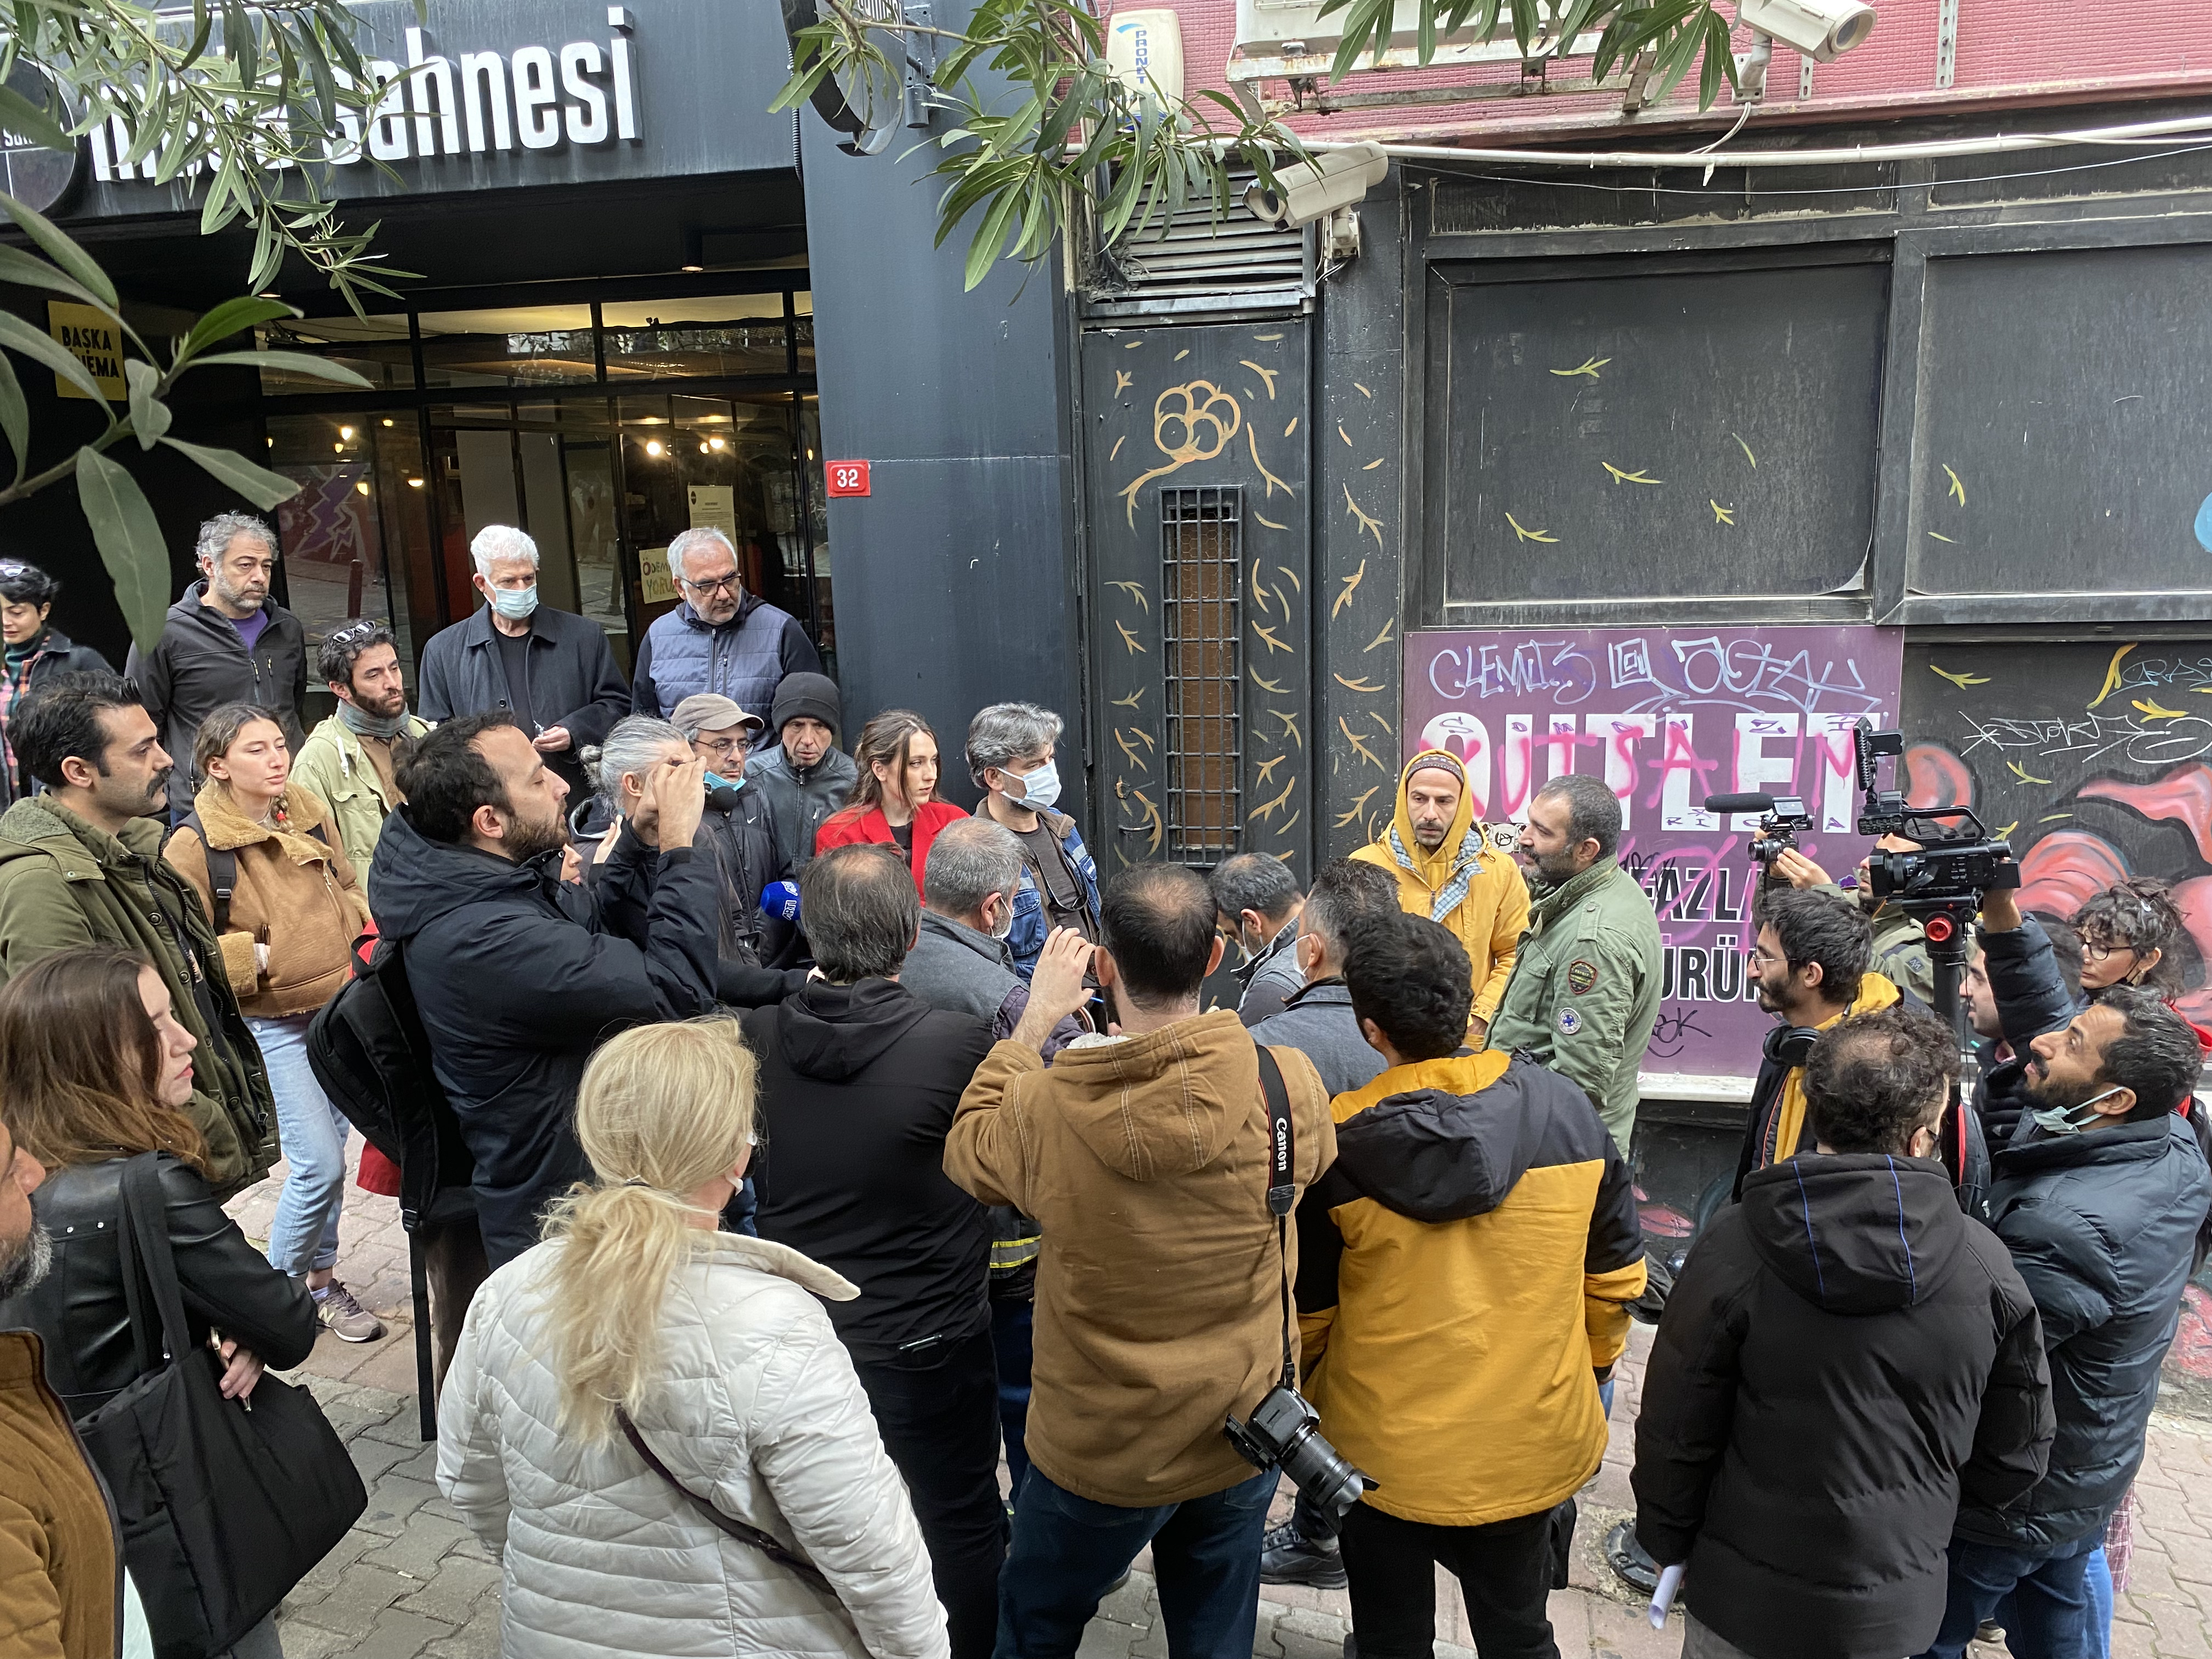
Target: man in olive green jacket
[
  {"x": 80, "y": 865},
  {"x": 1585, "y": 987},
  {"x": 352, "y": 759}
]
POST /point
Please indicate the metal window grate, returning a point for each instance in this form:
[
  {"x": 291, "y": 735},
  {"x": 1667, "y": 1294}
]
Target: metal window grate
[{"x": 1201, "y": 628}]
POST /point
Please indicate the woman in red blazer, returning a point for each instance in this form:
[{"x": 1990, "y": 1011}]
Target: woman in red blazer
[{"x": 891, "y": 804}]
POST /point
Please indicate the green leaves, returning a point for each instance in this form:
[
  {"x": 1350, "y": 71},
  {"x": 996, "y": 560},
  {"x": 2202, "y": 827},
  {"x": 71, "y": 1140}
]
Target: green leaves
[
  {"x": 149, "y": 416},
  {"x": 231, "y": 317},
  {"x": 59, "y": 249},
  {"x": 19, "y": 336},
  {"x": 258, "y": 484},
  {"x": 20, "y": 116},
  {"x": 129, "y": 537}
]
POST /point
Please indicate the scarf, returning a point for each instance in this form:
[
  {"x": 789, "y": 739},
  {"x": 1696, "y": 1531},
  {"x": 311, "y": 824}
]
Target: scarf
[
  {"x": 1787, "y": 1126},
  {"x": 363, "y": 724},
  {"x": 22, "y": 659},
  {"x": 1446, "y": 899}
]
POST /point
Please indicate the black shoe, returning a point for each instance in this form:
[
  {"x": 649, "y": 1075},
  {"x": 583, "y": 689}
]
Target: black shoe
[
  {"x": 1119, "y": 1583},
  {"x": 1289, "y": 1557},
  {"x": 1626, "y": 1558}
]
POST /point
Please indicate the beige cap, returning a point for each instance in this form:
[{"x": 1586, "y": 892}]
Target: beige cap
[{"x": 710, "y": 711}]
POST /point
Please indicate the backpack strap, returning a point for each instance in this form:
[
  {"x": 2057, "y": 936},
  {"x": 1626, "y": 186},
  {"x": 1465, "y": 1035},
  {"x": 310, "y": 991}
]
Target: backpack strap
[{"x": 221, "y": 868}]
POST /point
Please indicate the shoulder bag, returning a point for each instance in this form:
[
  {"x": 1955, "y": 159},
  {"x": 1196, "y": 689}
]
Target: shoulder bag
[
  {"x": 224, "y": 1505},
  {"x": 766, "y": 1543}
]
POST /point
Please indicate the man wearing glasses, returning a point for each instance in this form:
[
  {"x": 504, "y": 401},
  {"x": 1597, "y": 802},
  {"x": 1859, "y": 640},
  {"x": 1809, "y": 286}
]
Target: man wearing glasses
[
  {"x": 720, "y": 639},
  {"x": 741, "y": 823}
]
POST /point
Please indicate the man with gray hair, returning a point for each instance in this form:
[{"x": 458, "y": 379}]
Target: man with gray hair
[
  {"x": 225, "y": 641},
  {"x": 1010, "y": 754},
  {"x": 1257, "y": 904},
  {"x": 721, "y": 638},
  {"x": 859, "y": 1081},
  {"x": 1316, "y": 1019},
  {"x": 1584, "y": 993},
  {"x": 552, "y": 670}
]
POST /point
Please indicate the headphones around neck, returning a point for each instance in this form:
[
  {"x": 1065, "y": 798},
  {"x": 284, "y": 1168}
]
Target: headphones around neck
[{"x": 1790, "y": 1045}]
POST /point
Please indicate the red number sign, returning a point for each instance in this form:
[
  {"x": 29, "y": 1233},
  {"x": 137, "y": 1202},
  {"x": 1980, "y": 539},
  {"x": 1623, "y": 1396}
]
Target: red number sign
[{"x": 846, "y": 477}]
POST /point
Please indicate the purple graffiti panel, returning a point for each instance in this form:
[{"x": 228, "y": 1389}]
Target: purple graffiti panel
[{"x": 1667, "y": 716}]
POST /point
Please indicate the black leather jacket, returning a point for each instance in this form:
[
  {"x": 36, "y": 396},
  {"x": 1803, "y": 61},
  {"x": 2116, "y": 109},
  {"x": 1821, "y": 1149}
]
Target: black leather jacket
[{"x": 78, "y": 1309}]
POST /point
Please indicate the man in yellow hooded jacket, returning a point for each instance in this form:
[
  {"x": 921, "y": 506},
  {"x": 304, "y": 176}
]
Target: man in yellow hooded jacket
[
  {"x": 1448, "y": 871},
  {"x": 1464, "y": 1273}
]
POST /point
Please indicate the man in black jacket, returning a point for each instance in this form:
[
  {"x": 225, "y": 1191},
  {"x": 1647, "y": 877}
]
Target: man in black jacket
[
  {"x": 552, "y": 670},
  {"x": 859, "y": 1081},
  {"x": 2100, "y": 1197},
  {"x": 1846, "y": 1355},
  {"x": 739, "y": 820},
  {"x": 517, "y": 974},
  {"x": 225, "y": 641},
  {"x": 2017, "y": 993},
  {"x": 1316, "y": 1019}
]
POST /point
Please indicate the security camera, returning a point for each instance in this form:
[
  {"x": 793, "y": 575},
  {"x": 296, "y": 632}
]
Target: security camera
[
  {"x": 1822, "y": 30},
  {"x": 1312, "y": 190}
]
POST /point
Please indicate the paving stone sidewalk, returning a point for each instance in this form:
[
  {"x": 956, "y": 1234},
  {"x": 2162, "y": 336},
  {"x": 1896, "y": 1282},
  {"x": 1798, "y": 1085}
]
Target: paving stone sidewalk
[{"x": 410, "y": 1580}]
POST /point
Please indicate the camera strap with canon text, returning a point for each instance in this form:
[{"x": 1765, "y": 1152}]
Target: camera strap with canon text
[{"x": 1282, "y": 1189}]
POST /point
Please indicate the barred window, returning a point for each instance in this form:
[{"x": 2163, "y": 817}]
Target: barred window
[{"x": 1201, "y": 628}]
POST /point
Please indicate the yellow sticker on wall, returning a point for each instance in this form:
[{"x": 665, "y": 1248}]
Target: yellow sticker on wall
[{"x": 96, "y": 343}]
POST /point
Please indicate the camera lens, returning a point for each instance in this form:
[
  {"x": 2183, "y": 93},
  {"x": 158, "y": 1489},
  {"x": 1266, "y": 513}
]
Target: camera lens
[{"x": 1321, "y": 1475}]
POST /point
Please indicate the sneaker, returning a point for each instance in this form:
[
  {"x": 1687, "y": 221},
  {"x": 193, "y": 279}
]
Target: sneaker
[
  {"x": 1990, "y": 1630},
  {"x": 348, "y": 1320},
  {"x": 1287, "y": 1556}
]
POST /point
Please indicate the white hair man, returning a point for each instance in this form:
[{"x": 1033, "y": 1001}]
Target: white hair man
[
  {"x": 552, "y": 669},
  {"x": 721, "y": 638},
  {"x": 225, "y": 641}
]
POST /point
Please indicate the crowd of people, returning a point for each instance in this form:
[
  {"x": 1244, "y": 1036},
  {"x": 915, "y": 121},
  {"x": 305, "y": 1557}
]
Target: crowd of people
[{"x": 827, "y": 1145}]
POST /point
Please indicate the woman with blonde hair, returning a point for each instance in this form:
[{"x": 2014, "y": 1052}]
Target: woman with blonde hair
[
  {"x": 265, "y": 854},
  {"x": 652, "y": 1420},
  {"x": 895, "y": 798}
]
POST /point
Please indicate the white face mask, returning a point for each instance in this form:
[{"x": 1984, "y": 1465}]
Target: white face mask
[{"x": 1005, "y": 927}]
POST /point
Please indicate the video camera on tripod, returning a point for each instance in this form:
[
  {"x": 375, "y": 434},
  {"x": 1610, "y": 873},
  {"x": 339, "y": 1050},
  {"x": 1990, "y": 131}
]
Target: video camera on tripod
[{"x": 1958, "y": 860}]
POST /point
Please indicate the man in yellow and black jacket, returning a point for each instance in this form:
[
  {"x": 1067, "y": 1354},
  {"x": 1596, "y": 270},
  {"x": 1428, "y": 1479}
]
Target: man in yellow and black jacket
[{"x": 1465, "y": 1273}]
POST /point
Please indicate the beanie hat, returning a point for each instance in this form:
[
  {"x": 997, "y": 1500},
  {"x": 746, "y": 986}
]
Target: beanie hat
[{"x": 807, "y": 697}]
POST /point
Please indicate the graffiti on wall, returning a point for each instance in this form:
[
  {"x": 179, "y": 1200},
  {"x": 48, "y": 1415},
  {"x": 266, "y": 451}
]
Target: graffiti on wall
[
  {"x": 2094, "y": 759},
  {"x": 1667, "y": 716}
]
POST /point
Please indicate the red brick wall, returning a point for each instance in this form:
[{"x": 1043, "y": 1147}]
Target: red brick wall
[{"x": 2010, "y": 53}]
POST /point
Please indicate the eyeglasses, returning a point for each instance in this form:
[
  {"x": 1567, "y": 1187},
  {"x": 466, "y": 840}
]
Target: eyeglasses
[
  {"x": 728, "y": 584},
  {"x": 726, "y": 746},
  {"x": 2100, "y": 950},
  {"x": 352, "y": 631}
]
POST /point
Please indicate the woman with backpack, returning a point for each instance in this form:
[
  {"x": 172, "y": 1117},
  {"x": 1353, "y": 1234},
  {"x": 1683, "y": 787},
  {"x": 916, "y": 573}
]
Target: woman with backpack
[
  {"x": 270, "y": 864},
  {"x": 654, "y": 1421},
  {"x": 98, "y": 1071}
]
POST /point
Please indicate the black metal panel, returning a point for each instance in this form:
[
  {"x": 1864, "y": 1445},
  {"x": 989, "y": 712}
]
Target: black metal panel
[
  {"x": 1196, "y": 440},
  {"x": 2062, "y": 439},
  {"x": 1657, "y": 435},
  {"x": 1361, "y": 488},
  {"x": 954, "y": 581}
]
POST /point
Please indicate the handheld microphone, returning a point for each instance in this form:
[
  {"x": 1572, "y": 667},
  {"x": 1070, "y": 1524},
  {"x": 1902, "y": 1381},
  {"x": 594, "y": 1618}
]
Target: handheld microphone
[{"x": 1731, "y": 805}]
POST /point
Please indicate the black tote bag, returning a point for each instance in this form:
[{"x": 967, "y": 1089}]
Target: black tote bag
[{"x": 223, "y": 1509}]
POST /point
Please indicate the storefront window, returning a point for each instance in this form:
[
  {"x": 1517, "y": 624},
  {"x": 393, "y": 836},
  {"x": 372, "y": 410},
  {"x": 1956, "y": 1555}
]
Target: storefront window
[
  {"x": 673, "y": 339},
  {"x": 375, "y": 347},
  {"x": 803, "y": 330},
  {"x": 356, "y": 538},
  {"x": 524, "y": 345},
  {"x": 817, "y": 514}
]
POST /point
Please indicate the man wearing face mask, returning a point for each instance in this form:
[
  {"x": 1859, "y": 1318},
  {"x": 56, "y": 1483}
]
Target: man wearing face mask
[
  {"x": 552, "y": 670},
  {"x": 1010, "y": 753},
  {"x": 1260, "y": 909},
  {"x": 2099, "y": 1198}
]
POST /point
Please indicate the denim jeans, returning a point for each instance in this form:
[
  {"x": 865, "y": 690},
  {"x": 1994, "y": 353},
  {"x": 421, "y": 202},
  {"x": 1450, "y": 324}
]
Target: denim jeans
[
  {"x": 1069, "y": 1550},
  {"x": 1012, "y": 1323},
  {"x": 2045, "y": 1598},
  {"x": 304, "y": 1236},
  {"x": 2099, "y": 1581}
]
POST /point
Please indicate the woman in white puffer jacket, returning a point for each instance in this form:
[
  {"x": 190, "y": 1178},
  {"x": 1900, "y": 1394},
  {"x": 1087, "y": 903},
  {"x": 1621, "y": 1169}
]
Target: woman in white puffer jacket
[{"x": 716, "y": 1349}]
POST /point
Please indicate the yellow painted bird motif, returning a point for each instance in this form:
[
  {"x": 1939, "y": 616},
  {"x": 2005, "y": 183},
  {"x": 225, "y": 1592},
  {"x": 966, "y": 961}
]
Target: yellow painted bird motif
[
  {"x": 1358, "y": 745},
  {"x": 1356, "y": 685},
  {"x": 1638, "y": 477},
  {"x": 1269, "y": 685},
  {"x": 1962, "y": 681},
  {"x": 1128, "y": 638},
  {"x": 1129, "y": 749},
  {"x": 1941, "y": 537},
  {"x": 1290, "y": 727},
  {"x": 1267, "y": 809},
  {"x": 1721, "y": 515},
  {"x": 1958, "y": 489},
  {"x": 2022, "y": 773},
  {"x": 1274, "y": 643},
  {"x": 1135, "y": 591},
  {"x": 1525, "y": 534},
  {"x": 2007, "y": 829},
  {"x": 1132, "y": 700},
  {"x": 1122, "y": 380},
  {"x": 1357, "y": 806},
  {"x": 1746, "y": 447},
  {"x": 1261, "y": 774},
  {"x": 1588, "y": 366},
  {"x": 2153, "y": 711},
  {"x": 1351, "y": 586}
]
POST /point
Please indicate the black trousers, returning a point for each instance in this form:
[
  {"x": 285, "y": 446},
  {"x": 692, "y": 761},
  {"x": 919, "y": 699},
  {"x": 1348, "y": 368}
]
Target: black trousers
[
  {"x": 938, "y": 1414},
  {"x": 1504, "y": 1571}
]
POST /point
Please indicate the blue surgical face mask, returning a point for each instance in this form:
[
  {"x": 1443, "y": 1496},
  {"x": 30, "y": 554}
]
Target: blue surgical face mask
[
  {"x": 1039, "y": 788},
  {"x": 2071, "y": 1120},
  {"x": 514, "y": 602},
  {"x": 716, "y": 780}
]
